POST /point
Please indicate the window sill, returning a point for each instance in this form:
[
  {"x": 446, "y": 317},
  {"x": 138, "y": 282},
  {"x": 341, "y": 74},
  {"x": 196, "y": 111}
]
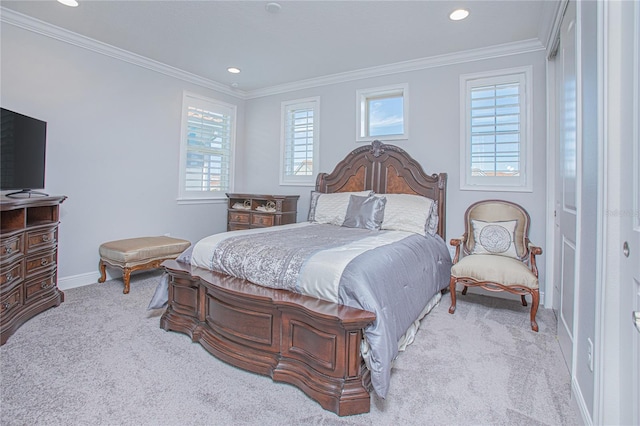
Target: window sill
[
  {"x": 496, "y": 188},
  {"x": 216, "y": 200}
]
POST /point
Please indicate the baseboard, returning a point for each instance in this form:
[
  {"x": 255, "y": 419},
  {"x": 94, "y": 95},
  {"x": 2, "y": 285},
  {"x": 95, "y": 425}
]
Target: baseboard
[
  {"x": 579, "y": 400},
  {"x": 81, "y": 280},
  {"x": 66, "y": 283}
]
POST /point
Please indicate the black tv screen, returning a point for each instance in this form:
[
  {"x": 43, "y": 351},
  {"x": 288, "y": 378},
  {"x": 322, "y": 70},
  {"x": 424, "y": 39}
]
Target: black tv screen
[{"x": 22, "y": 151}]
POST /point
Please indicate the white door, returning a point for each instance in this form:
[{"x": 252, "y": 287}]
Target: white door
[
  {"x": 566, "y": 207},
  {"x": 620, "y": 397},
  {"x": 629, "y": 212}
]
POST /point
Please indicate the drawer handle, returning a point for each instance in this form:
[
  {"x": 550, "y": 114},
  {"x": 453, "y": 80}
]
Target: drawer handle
[
  {"x": 46, "y": 285},
  {"x": 8, "y": 250},
  {"x": 46, "y": 238},
  {"x": 44, "y": 261},
  {"x": 9, "y": 276}
]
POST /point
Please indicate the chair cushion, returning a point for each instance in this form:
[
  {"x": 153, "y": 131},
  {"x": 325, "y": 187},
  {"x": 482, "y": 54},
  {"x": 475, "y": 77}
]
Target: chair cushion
[
  {"x": 139, "y": 249},
  {"x": 497, "y": 269}
]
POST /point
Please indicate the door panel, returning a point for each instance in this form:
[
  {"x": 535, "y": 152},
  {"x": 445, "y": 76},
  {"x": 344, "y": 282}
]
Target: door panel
[{"x": 567, "y": 296}]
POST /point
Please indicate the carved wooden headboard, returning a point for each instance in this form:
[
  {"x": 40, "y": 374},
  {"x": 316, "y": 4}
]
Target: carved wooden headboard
[{"x": 386, "y": 169}]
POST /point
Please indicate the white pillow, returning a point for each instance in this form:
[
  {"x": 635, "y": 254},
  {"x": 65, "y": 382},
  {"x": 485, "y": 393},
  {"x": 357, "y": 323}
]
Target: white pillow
[
  {"x": 494, "y": 237},
  {"x": 406, "y": 212},
  {"x": 331, "y": 208}
]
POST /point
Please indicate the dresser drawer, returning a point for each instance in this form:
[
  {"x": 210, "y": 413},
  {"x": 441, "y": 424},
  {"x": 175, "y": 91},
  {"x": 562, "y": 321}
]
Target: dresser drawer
[
  {"x": 11, "y": 246},
  {"x": 236, "y": 227},
  {"x": 41, "y": 262},
  {"x": 42, "y": 283},
  {"x": 239, "y": 217},
  {"x": 262, "y": 219},
  {"x": 10, "y": 275},
  {"x": 41, "y": 238},
  {"x": 10, "y": 302}
]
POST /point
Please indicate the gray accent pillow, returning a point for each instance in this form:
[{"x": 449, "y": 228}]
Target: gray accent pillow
[
  {"x": 365, "y": 212},
  {"x": 330, "y": 208}
]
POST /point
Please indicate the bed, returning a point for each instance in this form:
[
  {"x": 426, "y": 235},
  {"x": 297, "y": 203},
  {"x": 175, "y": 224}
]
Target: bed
[{"x": 317, "y": 343}]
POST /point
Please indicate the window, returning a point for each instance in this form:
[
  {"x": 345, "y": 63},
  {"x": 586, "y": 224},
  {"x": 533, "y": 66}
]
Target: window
[
  {"x": 206, "y": 148},
  {"x": 496, "y": 134},
  {"x": 382, "y": 113},
  {"x": 300, "y": 141}
]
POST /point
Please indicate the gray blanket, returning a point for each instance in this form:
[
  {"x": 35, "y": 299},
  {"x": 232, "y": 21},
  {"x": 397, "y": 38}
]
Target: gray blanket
[{"x": 395, "y": 281}]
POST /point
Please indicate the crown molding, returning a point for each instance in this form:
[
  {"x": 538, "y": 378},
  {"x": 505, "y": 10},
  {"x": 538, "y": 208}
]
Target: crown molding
[
  {"x": 491, "y": 52},
  {"x": 28, "y": 23},
  {"x": 31, "y": 24}
]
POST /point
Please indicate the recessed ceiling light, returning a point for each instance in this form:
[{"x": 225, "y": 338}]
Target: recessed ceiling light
[
  {"x": 273, "y": 7},
  {"x": 233, "y": 70},
  {"x": 72, "y": 3},
  {"x": 459, "y": 14}
]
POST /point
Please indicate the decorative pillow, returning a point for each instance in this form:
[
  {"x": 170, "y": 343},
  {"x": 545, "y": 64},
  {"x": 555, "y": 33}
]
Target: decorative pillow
[
  {"x": 406, "y": 212},
  {"x": 365, "y": 212},
  {"x": 330, "y": 208},
  {"x": 494, "y": 237},
  {"x": 434, "y": 219}
]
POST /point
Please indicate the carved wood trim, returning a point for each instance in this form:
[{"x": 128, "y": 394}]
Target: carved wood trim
[{"x": 386, "y": 169}]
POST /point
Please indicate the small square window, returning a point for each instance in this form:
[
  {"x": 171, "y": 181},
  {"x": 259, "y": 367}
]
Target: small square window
[{"x": 382, "y": 113}]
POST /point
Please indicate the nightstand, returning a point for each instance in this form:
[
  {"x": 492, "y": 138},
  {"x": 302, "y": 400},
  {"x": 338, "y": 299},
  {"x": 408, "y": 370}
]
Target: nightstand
[{"x": 246, "y": 211}]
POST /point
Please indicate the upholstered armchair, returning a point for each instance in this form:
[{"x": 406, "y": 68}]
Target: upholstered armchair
[{"x": 495, "y": 253}]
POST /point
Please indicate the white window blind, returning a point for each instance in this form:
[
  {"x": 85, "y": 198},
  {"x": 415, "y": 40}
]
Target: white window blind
[
  {"x": 300, "y": 123},
  {"x": 495, "y": 130},
  {"x": 207, "y": 148},
  {"x": 496, "y": 142}
]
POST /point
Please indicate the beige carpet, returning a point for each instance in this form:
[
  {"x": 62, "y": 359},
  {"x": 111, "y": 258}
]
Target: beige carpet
[{"x": 100, "y": 358}]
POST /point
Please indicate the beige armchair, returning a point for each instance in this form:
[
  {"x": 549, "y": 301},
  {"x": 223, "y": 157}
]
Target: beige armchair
[{"x": 495, "y": 253}]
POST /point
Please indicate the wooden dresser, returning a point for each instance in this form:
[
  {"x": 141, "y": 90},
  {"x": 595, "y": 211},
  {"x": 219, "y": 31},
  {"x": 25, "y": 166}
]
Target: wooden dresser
[
  {"x": 28, "y": 259},
  {"x": 247, "y": 211}
]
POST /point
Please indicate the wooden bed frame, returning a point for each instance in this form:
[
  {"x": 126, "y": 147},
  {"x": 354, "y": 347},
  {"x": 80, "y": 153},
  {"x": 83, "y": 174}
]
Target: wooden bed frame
[{"x": 310, "y": 343}]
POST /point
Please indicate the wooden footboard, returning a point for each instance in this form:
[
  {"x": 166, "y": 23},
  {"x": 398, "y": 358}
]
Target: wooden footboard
[{"x": 310, "y": 343}]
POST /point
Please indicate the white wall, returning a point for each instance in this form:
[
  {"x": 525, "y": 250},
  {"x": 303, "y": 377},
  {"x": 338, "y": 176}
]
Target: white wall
[
  {"x": 113, "y": 141},
  {"x": 434, "y": 129},
  {"x": 113, "y": 145}
]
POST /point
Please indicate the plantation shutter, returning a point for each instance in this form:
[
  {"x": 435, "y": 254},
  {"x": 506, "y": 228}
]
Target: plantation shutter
[
  {"x": 208, "y": 148},
  {"x": 495, "y": 129},
  {"x": 299, "y": 139}
]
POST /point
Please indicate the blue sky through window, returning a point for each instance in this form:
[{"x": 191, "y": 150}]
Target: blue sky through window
[{"x": 386, "y": 116}]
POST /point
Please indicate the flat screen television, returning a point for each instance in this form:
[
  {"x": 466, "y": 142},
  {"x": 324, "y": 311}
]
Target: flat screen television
[{"x": 23, "y": 143}]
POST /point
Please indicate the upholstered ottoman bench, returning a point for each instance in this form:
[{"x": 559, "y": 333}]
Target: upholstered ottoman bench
[{"x": 135, "y": 254}]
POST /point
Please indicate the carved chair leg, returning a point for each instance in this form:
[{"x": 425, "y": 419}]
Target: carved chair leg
[
  {"x": 126, "y": 277},
  {"x": 535, "y": 300},
  {"x": 464, "y": 291},
  {"x": 524, "y": 301},
  {"x": 103, "y": 272},
  {"x": 452, "y": 290}
]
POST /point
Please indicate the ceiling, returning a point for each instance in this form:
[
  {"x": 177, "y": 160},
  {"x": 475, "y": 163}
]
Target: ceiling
[{"x": 304, "y": 40}]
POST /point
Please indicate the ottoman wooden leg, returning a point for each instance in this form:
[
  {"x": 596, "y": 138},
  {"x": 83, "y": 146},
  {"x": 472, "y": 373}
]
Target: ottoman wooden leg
[
  {"x": 103, "y": 272},
  {"x": 126, "y": 277}
]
